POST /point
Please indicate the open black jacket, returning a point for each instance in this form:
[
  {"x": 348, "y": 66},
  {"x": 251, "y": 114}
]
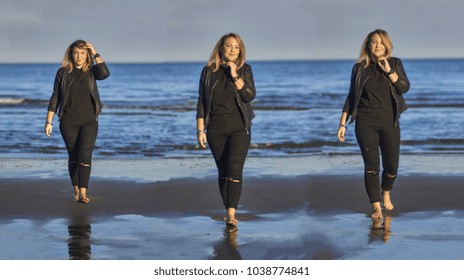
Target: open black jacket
[
  {"x": 63, "y": 82},
  {"x": 244, "y": 96},
  {"x": 358, "y": 80}
]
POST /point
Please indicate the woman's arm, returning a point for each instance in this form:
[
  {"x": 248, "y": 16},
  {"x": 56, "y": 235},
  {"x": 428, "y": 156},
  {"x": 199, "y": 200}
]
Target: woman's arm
[
  {"x": 395, "y": 72},
  {"x": 93, "y": 52},
  {"x": 238, "y": 82},
  {"x": 348, "y": 105},
  {"x": 201, "y": 134},
  {"x": 247, "y": 90},
  {"x": 48, "y": 123},
  {"x": 402, "y": 83},
  {"x": 342, "y": 127},
  {"x": 53, "y": 103},
  {"x": 100, "y": 70}
]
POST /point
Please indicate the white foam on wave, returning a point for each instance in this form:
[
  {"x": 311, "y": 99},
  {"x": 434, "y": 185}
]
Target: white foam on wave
[{"x": 11, "y": 100}]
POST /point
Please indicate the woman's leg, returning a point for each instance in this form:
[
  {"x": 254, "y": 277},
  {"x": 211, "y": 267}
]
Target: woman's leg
[
  {"x": 87, "y": 138},
  {"x": 229, "y": 151},
  {"x": 217, "y": 144},
  {"x": 70, "y": 135},
  {"x": 239, "y": 143},
  {"x": 368, "y": 139},
  {"x": 76, "y": 193},
  {"x": 390, "y": 148}
]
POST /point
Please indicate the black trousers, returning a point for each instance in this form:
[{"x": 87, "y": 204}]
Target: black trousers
[
  {"x": 229, "y": 151},
  {"x": 370, "y": 139},
  {"x": 80, "y": 142}
]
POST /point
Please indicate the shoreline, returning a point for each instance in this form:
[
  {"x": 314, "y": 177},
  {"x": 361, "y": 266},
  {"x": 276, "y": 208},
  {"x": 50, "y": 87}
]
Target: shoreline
[{"x": 163, "y": 169}]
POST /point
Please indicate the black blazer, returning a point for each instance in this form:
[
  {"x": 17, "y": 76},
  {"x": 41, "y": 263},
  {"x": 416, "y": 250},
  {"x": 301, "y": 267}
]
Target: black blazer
[
  {"x": 358, "y": 80},
  {"x": 63, "y": 82},
  {"x": 244, "y": 96}
]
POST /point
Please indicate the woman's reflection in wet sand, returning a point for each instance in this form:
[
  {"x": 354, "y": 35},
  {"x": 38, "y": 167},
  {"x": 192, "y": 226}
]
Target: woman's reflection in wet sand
[
  {"x": 79, "y": 239},
  {"x": 380, "y": 229},
  {"x": 226, "y": 249}
]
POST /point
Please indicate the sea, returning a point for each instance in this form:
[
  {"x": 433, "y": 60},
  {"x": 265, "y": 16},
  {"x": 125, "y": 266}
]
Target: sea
[{"x": 149, "y": 109}]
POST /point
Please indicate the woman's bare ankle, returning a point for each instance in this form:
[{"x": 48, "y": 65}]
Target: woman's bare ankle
[
  {"x": 76, "y": 193},
  {"x": 376, "y": 211},
  {"x": 387, "y": 204}
]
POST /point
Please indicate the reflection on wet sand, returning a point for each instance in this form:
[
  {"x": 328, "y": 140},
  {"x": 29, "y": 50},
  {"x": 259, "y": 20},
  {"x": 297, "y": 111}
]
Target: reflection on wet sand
[
  {"x": 79, "y": 239},
  {"x": 226, "y": 248},
  {"x": 380, "y": 228}
]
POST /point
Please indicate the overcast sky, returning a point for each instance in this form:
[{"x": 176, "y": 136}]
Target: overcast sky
[{"x": 186, "y": 30}]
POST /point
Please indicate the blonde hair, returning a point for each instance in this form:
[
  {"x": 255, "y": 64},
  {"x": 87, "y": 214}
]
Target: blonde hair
[
  {"x": 365, "y": 54},
  {"x": 68, "y": 60},
  {"x": 215, "y": 58}
]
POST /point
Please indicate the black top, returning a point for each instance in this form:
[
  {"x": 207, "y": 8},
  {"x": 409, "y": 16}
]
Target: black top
[
  {"x": 80, "y": 108},
  {"x": 376, "y": 104},
  {"x": 225, "y": 113}
]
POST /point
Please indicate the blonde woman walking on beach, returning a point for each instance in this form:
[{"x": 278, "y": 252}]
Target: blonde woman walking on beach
[
  {"x": 76, "y": 99},
  {"x": 375, "y": 100},
  {"x": 224, "y": 116}
]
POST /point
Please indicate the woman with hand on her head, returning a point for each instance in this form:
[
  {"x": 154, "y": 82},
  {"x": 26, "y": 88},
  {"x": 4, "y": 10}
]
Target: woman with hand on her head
[
  {"x": 224, "y": 116},
  {"x": 76, "y": 99},
  {"x": 375, "y": 100}
]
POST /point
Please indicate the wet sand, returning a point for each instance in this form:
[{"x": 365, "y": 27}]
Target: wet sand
[{"x": 309, "y": 212}]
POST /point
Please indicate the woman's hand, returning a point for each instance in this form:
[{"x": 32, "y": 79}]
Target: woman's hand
[
  {"x": 48, "y": 129},
  {"x": 384, "y": 65},
  {"x": 233, "y": 68},
  {"x": 341, "y": 133},
  {"x": 201, "y": 138},
  {"x": 238, "y": 83},
  {"x": 91, "y": 48}
]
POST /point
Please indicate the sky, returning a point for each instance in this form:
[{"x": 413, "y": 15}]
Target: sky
[{"x": 187, "y": 30}]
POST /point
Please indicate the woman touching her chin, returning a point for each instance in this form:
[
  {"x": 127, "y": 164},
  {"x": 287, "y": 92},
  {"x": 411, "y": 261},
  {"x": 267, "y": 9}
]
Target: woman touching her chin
[
  {"x": 224, "y": 116},
  {"x": 375, "y": 101}
]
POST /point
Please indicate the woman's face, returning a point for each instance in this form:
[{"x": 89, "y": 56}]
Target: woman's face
[
  {"x": 230, "y": 49},
  {"x": 377, "y": 47},
  {"x": 79, "y": 57}
]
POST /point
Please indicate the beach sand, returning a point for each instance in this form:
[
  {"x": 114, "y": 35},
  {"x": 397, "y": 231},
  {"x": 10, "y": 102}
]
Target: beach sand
[{"x": 292, "y": 208}]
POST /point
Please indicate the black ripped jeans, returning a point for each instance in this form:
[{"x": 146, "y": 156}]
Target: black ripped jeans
[
  {"x": 370, "y": 139},
  {"x": 229, "y": 151},
  {"x": 80, "y": 142}
]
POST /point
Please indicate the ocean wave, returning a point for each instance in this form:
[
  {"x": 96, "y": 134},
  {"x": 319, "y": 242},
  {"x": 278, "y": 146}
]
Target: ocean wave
[
  {"x": 265, "y": 104},
  {"x": 22, "y": 101},
  {"x": 148, "y": 107},
  {"x": 12, "y": 101},
  {"x": 453, "y": 142}
]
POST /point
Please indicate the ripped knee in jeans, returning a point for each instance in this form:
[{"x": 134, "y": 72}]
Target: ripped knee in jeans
[
  {"x": 233, "y": 180},
  {"x": 390, "y": 176}
]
